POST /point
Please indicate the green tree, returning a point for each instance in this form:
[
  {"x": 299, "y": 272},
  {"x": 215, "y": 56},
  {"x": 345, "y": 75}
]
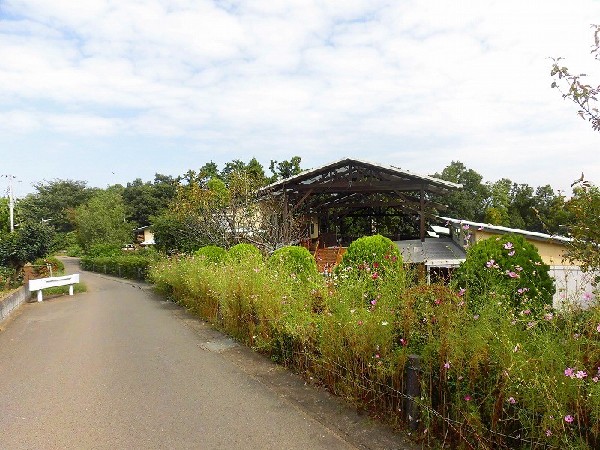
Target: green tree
[
  {"x": 468, "y": 203},
  {"x": 285, "y": 168},
  {"x": 102, "y": 220},
  {"x": 497, "y": 211},
  {"x": 30, "y": 241},
  {"x": 54, "y": 201},
  {"x": 4, "y": 216},
  {"x": 146, "y": 199},
  {"x": 585, "y": 227}
]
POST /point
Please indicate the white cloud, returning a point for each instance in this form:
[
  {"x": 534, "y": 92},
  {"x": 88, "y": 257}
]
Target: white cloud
[{"x": 418, "y": 81}]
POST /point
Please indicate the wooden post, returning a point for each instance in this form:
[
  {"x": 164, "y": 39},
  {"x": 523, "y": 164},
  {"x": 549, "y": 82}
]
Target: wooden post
[{"x": 413, "y": 391}]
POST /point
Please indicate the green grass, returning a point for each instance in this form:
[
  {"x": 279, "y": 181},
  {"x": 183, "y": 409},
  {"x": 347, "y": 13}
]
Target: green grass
[{"x": 62, "y": 290}]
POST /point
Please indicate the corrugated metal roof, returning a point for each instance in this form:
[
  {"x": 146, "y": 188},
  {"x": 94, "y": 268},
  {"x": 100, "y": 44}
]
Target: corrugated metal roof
[
  {"x": 392, "y": 169},
  {"x": 478, "y": 226},
  {"x": 431, "y": 252}
]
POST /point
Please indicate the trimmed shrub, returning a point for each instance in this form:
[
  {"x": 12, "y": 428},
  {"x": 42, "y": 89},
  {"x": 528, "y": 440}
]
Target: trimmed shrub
[
  {"x": 212, "y": 253},
  {"x": 103, "y": 250},
  {"x": 505, "y": 268},
  {"x": 372, "y": 255},
  {"x": 297, "y": 262},
  {"x": 245, "y": 253}
]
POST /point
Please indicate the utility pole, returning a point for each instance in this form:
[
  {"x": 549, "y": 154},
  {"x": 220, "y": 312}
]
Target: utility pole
[{"x": 11, "y": 201}]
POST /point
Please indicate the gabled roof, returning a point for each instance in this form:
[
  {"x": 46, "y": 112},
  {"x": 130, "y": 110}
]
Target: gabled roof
[
  {"x": 349, "y": 174},
  {"x": 502, "y": 230}
]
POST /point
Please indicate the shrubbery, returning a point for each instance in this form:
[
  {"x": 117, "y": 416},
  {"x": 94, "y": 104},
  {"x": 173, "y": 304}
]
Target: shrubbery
[
  {"x": 481, "y": 373},
  {"x": 133, "y": 265},
  {"x": 245, "y": 253},
  {"x": 295, "y": 262},
  {"x": 505, "y": 269},
  {"x": 41, "y": 266},
  {"x": 212, "y": 253},
  {"x": 372, "y": 255}
]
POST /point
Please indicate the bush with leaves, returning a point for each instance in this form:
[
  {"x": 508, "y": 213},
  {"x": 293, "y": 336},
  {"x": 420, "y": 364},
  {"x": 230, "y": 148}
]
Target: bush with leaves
[
  {"x": 245, "y": 253},
  {"x": 297, "y": 262},
  {"x": 371, "y": 255},
  {"x": 507, "y": 269},
  {"x": 46, "y": 266},
  {"x": 212, "y": 253},
  {"x": 30, "y": 241}
]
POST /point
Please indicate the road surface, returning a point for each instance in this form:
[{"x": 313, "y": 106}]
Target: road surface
[{"x": 118, "y": 367}]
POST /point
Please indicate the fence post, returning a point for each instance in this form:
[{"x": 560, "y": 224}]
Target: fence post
[{"x": 413, "y": 391}]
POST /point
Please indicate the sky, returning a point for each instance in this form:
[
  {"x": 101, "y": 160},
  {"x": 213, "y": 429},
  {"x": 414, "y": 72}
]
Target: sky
[{"x": 112, "y": 90}]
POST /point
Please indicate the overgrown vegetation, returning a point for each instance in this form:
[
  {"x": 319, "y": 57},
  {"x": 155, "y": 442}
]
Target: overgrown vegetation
[
  {"x": 482, "y": 374},
  {"x": 111, "y": 261}
]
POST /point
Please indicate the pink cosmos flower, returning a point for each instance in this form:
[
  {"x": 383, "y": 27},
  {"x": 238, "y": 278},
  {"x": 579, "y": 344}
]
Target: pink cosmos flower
[
  {"x": 437, "y": 301},
  {"x": 512, "y": 274},
  {"x": 403, "y": 342},
  {"x": 465, "y": 226},
  {"x": 595, "y": 379},
  {"x": 569, "y": 372},
  {"x": 512, "y": 400},
  {"x": 467, "y": 398},
  {"x": 508, "y": 245},
  {"x": 511, "y": 253},
  {"x": 548, "y": 433},
  {"x": 598, "y": 328},
  {"x": 373, "y": 302},
  {"x": 447, "y": 365},
  {"x": 375, "y": 275},
  {"x": 490, "y": 263},
  {"x": 462, "y": 292},
  {"x": 569, "y": 418},
  {"x": 581, "y": 374}
]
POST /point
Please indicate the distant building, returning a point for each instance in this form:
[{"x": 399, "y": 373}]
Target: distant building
[{"x": 144, "y": 236}]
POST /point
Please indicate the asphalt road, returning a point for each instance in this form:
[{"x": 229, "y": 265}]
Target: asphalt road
[{"x": 118, "y": 367}]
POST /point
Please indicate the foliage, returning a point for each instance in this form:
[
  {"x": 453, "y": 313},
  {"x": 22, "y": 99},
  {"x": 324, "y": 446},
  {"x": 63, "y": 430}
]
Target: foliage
[
  {"x": 56, "y": 265},
  {"x": 295, "y": 262},
  {"x": 481, "y": 375},
  {"x": 30, "y": 241},
  {"x": 222, "y": 208},
  {"x": 573, "y": 87},
  {"x": 9, "y": 278},
  {"x": 102, "y": 220},
  {"x": 63, "y": 290},
  {"x": 468, "y": 203},
  {"x": 144, "y": 200},
  {"x": 212, "y": 253},
  {"x": 245, "y": 253},
  {"x": 285, "y": 169},
  {"x": 585, "y": 229},
  {"x": 133, "y": 265},
  {"x": 507, "y": 269},
  {"x": 374, "y": 255},
  {"x": 54, "y": 201}
]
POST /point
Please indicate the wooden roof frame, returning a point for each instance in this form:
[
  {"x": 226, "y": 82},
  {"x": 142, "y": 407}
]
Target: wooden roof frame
[{"x": 354, "y": 185}]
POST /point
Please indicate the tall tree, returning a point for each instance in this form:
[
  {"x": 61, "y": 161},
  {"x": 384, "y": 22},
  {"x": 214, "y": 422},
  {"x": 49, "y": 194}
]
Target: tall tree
[
  {"x": 285, "y": 169},
  {"x": 54, "y": 202},
  {"x": 102, "y": 220},
  {"x": 468, "y": 203},
  {"x": 144, "y": 200}
]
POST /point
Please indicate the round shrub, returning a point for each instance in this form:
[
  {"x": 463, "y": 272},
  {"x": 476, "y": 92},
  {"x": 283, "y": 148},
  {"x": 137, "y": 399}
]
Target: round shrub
[
  {"x": 245, "y": 253},
  {"x": 505, "y": 268},
  {"x": 373, "y": 255},
  {"x": 212, "y": 253},
  {"x": 294, "y": 261}
]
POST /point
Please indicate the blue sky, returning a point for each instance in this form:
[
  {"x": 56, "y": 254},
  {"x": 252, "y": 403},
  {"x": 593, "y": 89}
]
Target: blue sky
[{"x": 110, "y": 90}]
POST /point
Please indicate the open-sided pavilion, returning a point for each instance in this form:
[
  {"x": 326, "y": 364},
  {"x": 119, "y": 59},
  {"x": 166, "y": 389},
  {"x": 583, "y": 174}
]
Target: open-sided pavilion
[{"x": 357, "y": 188}]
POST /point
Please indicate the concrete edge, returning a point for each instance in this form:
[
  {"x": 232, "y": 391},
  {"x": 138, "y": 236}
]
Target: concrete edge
[{"x": 12, "y": 301}]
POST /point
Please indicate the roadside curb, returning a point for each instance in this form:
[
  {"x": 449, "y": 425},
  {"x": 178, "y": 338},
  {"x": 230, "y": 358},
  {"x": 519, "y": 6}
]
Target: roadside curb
[{"x": 12, "y": 301}]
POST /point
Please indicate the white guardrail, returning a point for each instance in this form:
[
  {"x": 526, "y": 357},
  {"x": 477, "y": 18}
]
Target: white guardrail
[{"x": 42, "y": 283}]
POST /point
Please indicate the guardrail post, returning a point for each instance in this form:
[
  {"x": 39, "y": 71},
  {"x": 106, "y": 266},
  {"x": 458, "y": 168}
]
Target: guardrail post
[{"x": 413, "y": 391}]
